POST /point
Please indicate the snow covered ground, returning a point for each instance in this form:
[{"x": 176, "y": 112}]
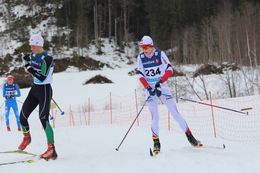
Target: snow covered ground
[{"x": 92, "y": 148}]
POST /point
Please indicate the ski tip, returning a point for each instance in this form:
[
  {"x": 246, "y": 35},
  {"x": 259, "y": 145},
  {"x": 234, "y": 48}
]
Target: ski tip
[
  {"x": 151, "y": 152},
  {"x": 198, "y": 145}
]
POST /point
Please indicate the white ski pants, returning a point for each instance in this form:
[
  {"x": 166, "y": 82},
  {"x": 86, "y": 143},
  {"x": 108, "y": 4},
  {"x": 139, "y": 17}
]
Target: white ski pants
[{"x": 168, "y": 100}]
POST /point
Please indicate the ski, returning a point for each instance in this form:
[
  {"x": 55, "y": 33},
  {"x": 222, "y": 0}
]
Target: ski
[
  {"x": 221, "y": 147},
  {"x": 18, "y": 152},
  {"x": 23, "y": 152},
  {"x": 17, "y": 162},
  {"x": 200, "y": 145}
]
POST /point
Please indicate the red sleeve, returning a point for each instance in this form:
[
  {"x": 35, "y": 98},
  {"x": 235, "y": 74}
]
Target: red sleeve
[
  {"x": 144, "y": 82},
  {"x": 166, "y": 75}
]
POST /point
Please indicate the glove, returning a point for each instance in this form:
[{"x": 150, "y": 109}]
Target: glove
[
  {"x": 157, "y": 89},
  {"x": 151, "y": 91},
  {"x": 12, "y": 96},
  {"x": 27, "y": 65},
  {"x": 158, "y": 84},
  {"x": 8, "y": 97},
  {"x": 27, "y": 57}
]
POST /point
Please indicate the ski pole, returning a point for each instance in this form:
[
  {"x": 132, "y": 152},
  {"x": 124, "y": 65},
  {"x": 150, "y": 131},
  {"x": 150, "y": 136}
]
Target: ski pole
[
  {"x": 117, "y": 149},
  {"x": 216, "y": 106},
  {"x": 2, "y": 105},
  {"x": 61, "y": 112}
]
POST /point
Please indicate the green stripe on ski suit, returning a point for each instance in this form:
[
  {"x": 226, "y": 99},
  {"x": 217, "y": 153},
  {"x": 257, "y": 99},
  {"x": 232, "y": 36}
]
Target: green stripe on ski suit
[
  {"x": 25, "y": 131},
  {"x": 49, "y": 133},
  {"x": 44, "y": 68}
]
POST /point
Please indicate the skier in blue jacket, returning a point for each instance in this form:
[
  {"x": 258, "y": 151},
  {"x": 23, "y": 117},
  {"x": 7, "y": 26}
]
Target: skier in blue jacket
[{"x": 10, "y": 92}]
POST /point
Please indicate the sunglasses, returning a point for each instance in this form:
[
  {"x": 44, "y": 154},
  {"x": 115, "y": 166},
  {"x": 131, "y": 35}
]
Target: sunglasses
[{"x": 146, "y": 46}]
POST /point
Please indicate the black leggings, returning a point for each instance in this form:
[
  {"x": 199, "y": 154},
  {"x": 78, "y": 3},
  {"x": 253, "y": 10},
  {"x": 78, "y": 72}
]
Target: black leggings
[{"x": 39, "y": 95}]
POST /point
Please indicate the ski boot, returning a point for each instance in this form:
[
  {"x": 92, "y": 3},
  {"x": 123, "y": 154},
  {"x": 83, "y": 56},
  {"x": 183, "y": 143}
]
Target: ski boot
[
  {"x": 194, "y": 142},
  {"x": 157, "y": 145},
  {"x": 19, "y": 129},
  {"x": 50, "y": 153},
  {"x": 26, "y": 141},
  {"x": 8, "y": 128}
]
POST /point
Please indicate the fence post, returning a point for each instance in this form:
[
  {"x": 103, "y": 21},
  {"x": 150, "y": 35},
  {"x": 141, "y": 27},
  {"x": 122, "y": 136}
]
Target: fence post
[
  {"x": 71, "y": 115},
  {"x": 212, "y": 113},
  {"x": 79, "y": 113},
  {"x": 89, "y": 111},
  {"x": 110, "y": 107},
  {"x": 84, "y": 113}
]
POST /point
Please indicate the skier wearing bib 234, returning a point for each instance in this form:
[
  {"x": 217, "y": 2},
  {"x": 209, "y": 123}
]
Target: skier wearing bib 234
[
  {"x": 10, "y": 92},
  {"x": 154, "y": 69},
  {"x": 40, "y": 65}
]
